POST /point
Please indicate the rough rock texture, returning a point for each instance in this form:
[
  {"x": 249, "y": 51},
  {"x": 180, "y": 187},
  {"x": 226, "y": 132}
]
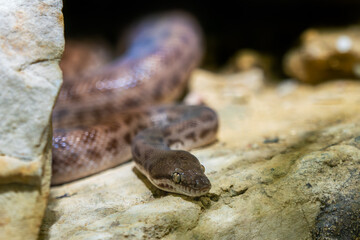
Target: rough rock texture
[
  {"x": 325, "y": 54},
  {"x": 31, "y": 40},
  {"x": 286, "y": 166}
]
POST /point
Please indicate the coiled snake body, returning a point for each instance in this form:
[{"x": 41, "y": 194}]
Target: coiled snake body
[{"x": 103, "y": 118}]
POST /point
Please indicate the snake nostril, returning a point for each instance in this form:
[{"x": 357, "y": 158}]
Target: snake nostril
[{"x": 201, "y": 182}]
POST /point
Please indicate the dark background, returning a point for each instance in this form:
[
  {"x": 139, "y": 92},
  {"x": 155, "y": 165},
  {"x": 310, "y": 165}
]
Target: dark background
[{"x": 271, "y": 27}]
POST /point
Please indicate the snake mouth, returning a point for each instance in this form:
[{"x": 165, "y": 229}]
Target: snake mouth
[{"x": 185, "y": 190}]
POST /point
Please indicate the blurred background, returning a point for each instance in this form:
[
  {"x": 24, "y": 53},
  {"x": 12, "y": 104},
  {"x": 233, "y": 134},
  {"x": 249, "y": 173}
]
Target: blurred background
[{"x": 270, "y": 27}]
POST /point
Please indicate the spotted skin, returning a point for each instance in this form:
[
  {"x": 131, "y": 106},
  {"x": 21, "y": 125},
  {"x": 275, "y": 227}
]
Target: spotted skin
[{"x": 109, "y": 115}]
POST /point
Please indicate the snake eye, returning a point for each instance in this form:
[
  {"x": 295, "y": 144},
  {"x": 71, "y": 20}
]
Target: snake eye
[
  {"x": 203, "y": 168},
  {"x": 176, "y": 177}
]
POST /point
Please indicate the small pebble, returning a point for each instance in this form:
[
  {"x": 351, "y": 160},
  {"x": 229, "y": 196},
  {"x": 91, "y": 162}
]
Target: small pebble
[{"x": 271, "y": 140}]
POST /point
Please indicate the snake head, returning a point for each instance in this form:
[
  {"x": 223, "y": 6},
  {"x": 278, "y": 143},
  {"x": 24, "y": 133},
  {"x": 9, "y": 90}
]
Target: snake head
[{"x": 181, "y": 172}]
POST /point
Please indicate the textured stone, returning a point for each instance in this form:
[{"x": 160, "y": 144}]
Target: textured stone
[
  {"x": 286, "y": 158},
  {"x": 31, "y": 40},
  {"x": 236, "y": 87},
  {"x": 325, "y": 54}
]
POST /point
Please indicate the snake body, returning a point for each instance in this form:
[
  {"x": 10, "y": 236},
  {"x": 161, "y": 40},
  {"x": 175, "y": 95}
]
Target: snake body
[{"x": 106, "y": 116}]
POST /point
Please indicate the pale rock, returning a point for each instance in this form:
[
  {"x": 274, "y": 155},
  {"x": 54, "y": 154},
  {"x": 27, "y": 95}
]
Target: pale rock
[
  {"x": 248, "y": 59},
  {"x": 236, "y": 87},
  {"x": 31, "y": 40},
  {"x": 285, "y": 166}
]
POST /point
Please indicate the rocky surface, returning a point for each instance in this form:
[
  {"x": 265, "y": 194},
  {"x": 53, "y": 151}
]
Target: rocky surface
[
  {"x": 286, "y": 166},
  {"x": 325, "y": 54},
  {"x": 31, "y": 40}
]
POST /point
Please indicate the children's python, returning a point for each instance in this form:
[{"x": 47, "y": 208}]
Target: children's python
[{"x": 105, "y": 116}]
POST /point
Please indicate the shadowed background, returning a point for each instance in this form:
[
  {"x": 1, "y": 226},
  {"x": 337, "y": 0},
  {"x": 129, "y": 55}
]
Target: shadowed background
[{"x": 269, "y": 27}]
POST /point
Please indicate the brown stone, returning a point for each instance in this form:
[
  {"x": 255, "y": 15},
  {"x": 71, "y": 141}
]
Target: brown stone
[{"x": 325, "y": 54}]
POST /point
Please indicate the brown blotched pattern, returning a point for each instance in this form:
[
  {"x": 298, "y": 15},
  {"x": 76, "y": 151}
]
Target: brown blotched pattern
[{"x": 97, "y": 118}]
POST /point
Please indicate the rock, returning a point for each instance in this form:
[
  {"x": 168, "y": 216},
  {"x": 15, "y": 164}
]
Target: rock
[
  {"x": 339, "y": 218},
  {"x": 286, "y": 166},
  {"x": 325, "y": 54},
  {"x": 31, "y": 45},
  {"x": 248, "y": 59},
  {"x": 220, "y": 89}
]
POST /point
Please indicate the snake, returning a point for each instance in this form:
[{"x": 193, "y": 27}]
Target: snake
[{"x": 125, "y": 110}]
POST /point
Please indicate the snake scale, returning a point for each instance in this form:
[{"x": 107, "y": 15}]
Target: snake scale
[{"x": 122, "y": 110}]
